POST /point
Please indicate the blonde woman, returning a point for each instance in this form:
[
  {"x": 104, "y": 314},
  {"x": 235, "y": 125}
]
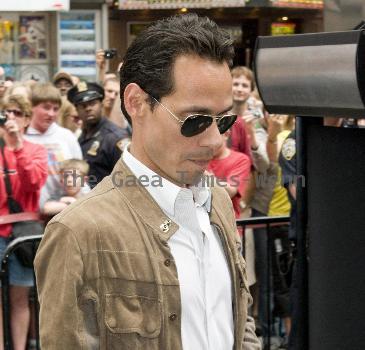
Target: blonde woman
[{"x": 26, "y": 166}]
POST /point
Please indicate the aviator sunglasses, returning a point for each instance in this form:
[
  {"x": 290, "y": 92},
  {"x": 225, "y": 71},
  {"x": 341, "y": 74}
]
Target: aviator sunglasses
[{"x": 195, "y": 124}]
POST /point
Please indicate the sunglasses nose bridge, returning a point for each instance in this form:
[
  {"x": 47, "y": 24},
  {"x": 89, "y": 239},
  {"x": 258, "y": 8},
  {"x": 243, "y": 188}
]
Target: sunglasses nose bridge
[
  {"x": 212, "y": 126},
  {"x": 211, "y": 136}
]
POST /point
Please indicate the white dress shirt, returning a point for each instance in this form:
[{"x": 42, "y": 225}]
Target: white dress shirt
[{"x": 202, "y": 268}]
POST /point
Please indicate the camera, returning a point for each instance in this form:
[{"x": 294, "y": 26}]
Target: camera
[
  {"x": 3, "y": 118},
  {"x": 257, "y": 113},
  {"x": 253, "y": 107},
  {"x": 110, "y": 53}
]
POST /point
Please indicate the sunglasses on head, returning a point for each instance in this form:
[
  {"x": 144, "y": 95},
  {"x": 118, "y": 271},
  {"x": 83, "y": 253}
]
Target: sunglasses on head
[{"x": 195, "y": 124}]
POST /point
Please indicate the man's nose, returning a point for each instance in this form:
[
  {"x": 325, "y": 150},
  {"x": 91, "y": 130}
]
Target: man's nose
[{"x": 211, "y": 137}]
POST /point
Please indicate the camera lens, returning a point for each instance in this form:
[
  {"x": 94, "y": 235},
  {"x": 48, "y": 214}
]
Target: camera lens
[
  {"x": 3, "y": 118},
  {"x": 110, "y": 53}
]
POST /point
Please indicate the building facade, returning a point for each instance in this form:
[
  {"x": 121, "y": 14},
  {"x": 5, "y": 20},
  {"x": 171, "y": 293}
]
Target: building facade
[
  {"x": 35, "y": 42},
  {"x": 244, "y": 19}
]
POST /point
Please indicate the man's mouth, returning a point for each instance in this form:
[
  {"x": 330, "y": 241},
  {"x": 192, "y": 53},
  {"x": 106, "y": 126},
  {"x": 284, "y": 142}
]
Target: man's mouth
[{"x": 201, "y": 162}]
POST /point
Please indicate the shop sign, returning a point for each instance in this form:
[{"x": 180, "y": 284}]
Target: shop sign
[
  {"x": 38, "y": 5},
  {"x": 175, "y": 4},
  {"x": 282, "y": 28},
  {"x": 311, "y": 4}
]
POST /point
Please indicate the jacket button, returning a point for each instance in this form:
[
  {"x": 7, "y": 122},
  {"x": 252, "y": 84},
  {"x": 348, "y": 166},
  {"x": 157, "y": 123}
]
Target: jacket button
[
  {"x": 167, "y": 262},
  {"x": 172, "y": 317},
  {"x": 150, "y": 327},
  {"x": 112, "y": 322},
  {"x": 165, "y": 226}
]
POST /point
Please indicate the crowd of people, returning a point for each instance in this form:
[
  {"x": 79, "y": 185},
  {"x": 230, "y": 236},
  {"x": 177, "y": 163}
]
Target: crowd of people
[
  {"x": 60, "y": 139},
  {"x": 57, "y": 142}
]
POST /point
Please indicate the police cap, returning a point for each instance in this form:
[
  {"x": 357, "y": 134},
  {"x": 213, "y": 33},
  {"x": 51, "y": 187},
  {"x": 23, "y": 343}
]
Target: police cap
[{"x": 84, "y": 92}]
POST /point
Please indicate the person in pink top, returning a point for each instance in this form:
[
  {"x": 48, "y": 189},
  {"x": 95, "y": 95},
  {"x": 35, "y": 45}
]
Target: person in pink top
[{"x": 26, "y": 166}]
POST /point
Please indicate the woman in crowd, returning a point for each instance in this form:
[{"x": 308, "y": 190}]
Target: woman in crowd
[
  {"x": 26, "y": 166},
  {"x": 69, "y": 118}
]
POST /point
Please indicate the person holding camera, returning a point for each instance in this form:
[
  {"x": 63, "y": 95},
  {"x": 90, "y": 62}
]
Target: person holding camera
[
  {"x": 25, "y": 165},
  {"x": 110, "y": 83},
  {"x": 101, "y": 63}
]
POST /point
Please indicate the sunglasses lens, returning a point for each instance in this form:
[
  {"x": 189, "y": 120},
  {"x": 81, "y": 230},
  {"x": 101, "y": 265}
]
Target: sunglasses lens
[
  {"x": 226, "y": 122},
  {"x": 15, "y": 112},
  {"x": 196, "y": 124}
]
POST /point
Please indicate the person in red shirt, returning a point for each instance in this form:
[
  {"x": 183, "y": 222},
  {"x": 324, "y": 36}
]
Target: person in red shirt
[
  {"x": 26, "y": 165},
  {"x": 232, "y": 169},
  {"x": 242, "y": 88}
]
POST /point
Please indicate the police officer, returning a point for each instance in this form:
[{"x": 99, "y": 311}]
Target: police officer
[{"x": 101, "y": 140}]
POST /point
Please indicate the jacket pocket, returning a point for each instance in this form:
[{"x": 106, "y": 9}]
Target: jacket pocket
[
  {"x": 132, "y": 321},
  {"x": 89, "y": 305}
]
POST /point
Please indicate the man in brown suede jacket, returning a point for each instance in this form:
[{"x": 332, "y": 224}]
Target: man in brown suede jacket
[{"x": 150, "y": 259}]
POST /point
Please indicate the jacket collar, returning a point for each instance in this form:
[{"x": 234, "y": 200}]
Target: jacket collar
[
  {"x": 166, "y": 193},
  {"x": 126, "y": 183},
  {"x": 143, "y": 203}
]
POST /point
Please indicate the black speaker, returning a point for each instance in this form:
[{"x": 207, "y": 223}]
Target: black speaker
[
  {"x": 321, "y": 74},
  {"x": 336, "y": 232}
]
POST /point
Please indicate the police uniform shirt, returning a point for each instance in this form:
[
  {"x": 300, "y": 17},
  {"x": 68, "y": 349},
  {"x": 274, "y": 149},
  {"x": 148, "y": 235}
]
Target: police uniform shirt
[
  {"x": 288, "y": 164},
  {"x": 103, "y": 149}
]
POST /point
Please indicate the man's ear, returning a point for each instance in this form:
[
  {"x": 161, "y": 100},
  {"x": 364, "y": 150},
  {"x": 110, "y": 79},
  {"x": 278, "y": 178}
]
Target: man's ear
[{"x": 134, "y": 101}]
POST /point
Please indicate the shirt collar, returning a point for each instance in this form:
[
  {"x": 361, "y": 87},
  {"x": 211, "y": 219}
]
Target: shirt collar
[
  {"x": 167, "y": 194},
  {"x": 52, "y": 128},
  {"x": 97, "y": 128}
]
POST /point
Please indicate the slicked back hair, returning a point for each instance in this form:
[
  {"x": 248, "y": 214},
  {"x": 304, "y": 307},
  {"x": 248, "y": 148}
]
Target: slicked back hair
[{"x": 150, "y": 59}]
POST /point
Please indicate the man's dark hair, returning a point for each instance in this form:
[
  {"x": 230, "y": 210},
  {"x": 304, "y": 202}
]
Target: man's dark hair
[{"x": 150, "y": 58}]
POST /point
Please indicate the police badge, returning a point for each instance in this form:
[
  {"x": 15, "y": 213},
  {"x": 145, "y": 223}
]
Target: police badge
[
  {"x": 288, "y": 149},
  {"x": 93, "y": 150}
]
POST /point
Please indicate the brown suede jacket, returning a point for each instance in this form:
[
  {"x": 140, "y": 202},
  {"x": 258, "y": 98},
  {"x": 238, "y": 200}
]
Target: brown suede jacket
[{"x": 106, "y": 277}]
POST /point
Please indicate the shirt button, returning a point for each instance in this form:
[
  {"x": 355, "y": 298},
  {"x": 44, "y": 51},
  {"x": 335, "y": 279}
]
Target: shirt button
[
  {"x": 167, "y": 262},
  {"x": 172, "y": 317}
]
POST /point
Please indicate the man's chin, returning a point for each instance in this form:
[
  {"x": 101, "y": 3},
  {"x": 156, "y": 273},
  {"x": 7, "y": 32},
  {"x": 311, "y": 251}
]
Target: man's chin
[{"x": 92, "y": 121}]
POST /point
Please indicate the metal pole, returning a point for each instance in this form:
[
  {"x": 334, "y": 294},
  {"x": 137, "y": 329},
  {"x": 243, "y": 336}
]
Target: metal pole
[
  {"x": 5, "y": 297},
  {"x": 302, "y": 124},
  {"x": 268, "y": 302},
  {"x": 35, "y": 301}
]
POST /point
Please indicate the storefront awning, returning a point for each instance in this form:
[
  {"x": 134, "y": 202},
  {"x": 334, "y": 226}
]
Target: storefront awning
[
  {"x": 175, "y": 4},
  {"x": 38, "y": 5}
]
